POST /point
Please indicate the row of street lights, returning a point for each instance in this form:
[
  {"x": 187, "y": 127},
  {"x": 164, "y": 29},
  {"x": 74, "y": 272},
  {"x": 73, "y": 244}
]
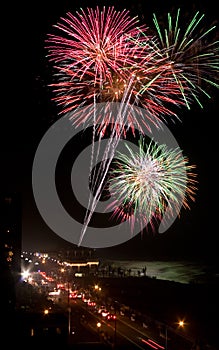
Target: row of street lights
[{"x": 180, "y": 323}]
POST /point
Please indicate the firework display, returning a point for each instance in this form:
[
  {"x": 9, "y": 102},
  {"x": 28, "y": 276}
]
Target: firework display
[
  {"x": 92, "y": 57},
  {"x": 193, "y": 58},
  {"x": 104, "y": 56},
  {"x": 151, "y": 182}
]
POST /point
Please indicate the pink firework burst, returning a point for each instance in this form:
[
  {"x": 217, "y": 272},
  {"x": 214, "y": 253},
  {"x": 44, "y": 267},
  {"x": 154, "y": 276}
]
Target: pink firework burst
[
  {"x": 106, "y": 56},
  {"x": 100, "y": 56},
  {"x": 94, "y": 44}
]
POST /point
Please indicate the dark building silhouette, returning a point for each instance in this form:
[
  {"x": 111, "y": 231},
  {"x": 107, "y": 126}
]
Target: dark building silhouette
[{"x": 10, "y": 251}]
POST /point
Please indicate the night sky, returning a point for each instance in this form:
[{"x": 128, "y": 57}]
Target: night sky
[{"x": 29, "y": 112}]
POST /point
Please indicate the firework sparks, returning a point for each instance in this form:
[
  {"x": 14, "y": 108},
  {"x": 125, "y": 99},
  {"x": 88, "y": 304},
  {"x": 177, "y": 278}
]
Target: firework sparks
[
  {"x": 104, "y": 56},
  {"x": 98, "y": 53},
  {"x": 192, "y": 54},
  {"x": 94, "y": 47},
  {"x": 96, "y": 43},
  {"x": 151, "y": 182}
]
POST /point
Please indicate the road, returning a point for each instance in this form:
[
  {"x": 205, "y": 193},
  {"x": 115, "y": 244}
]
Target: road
[{"x": 122, "y": 333}]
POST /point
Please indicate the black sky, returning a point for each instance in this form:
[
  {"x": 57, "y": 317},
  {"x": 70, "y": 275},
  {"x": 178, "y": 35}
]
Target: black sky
[{"x": 29, "y": 112}]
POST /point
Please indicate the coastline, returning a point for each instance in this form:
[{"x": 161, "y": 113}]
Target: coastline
[{"x": 181, "y": 271}]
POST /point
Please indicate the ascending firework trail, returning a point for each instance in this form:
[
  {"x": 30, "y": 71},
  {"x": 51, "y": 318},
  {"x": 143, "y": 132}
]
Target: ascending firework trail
[{"x": 105, "y": 56}]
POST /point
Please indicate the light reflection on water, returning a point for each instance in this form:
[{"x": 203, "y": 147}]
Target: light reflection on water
[{"x": 179, "y": 271}]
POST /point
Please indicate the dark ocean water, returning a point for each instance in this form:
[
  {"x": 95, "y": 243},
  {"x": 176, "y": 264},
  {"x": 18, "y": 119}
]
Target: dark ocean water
[{"x": 177, "y": 271}]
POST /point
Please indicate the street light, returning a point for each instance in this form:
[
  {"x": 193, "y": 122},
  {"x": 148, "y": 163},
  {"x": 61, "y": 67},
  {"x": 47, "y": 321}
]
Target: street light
[
  {"x": 98, "y": 328},
  {"x": 97, "y": 288},
  {"x": 116, "y": 308},
  {"x": 46, "y": 312},
  {"x": 166, "y": 337},
  {"x": 115, "y": 332},
  {"x": 69, "y": 312},
  {"x": 181, "y": 324},
  {"x": 69, "y": 320}
]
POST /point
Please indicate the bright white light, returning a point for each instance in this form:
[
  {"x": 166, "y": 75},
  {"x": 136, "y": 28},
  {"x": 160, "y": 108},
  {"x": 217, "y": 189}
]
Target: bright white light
[{"x": 25, "y": 275}]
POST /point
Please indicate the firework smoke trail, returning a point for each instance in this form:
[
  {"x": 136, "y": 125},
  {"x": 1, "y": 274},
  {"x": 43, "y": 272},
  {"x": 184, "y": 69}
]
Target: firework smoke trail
[
  {"x": 107, "y": 159},
  {"x": 148, "y": 183},
  {"x": 109, "y": 153}
]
